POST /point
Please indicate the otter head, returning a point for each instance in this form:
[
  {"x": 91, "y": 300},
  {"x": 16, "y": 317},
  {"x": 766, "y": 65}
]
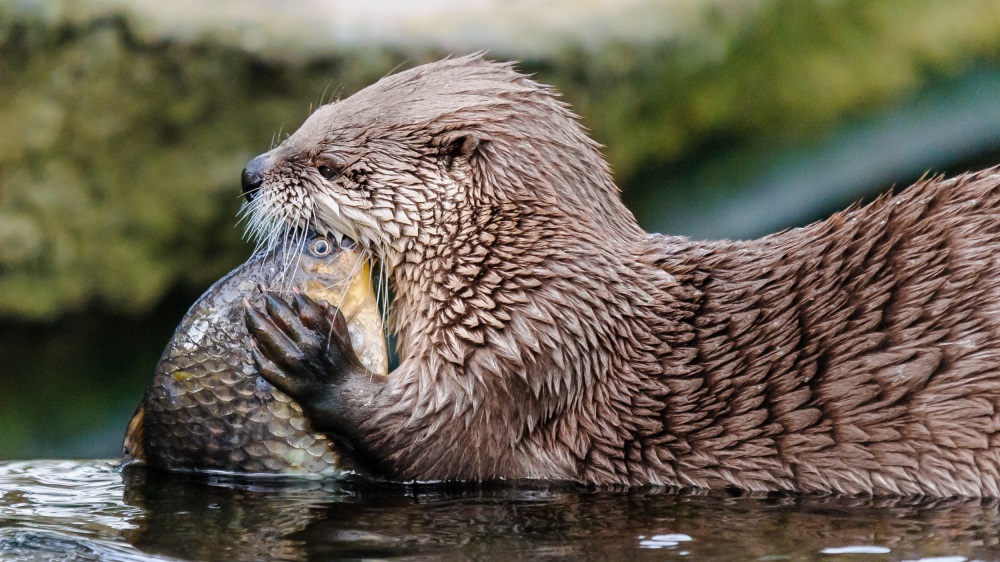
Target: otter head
[{"x": 446, "y": 173}]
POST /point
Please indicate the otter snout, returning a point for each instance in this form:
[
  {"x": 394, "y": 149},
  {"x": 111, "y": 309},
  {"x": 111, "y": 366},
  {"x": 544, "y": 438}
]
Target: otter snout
[{"x": 253, "y": 176}]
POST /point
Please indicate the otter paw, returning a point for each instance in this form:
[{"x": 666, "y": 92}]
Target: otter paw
[{"x": 302, "y": 348}]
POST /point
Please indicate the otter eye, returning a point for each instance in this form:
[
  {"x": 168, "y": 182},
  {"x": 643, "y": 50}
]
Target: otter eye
[
  {"x": 329, "y": 166},
  {"x": 328, "y": 172},
  {"x": 320, "y": 247}
]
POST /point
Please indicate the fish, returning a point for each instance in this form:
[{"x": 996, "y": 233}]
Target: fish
[{"x": 207, "y": 409}]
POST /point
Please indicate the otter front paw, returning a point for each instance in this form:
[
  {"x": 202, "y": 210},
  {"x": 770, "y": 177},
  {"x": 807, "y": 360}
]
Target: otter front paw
[{"x": 304, "y": 350}]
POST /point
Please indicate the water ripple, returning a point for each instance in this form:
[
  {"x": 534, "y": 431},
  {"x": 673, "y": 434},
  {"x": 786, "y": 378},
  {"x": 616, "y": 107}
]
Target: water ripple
[
  {"x": 72, "y": 509},
  {"x": 88, "y": 510}
]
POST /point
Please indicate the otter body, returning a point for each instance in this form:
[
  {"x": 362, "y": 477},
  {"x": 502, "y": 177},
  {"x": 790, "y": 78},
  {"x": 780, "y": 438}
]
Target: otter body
[{"x": 543, "y": 334}]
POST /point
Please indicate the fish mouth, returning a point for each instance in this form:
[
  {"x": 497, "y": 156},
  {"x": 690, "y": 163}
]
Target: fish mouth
[{"x": 370, "y": 294}]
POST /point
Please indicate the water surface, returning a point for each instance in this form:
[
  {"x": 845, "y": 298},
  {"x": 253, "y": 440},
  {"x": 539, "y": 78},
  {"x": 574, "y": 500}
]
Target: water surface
[{"x": 89, "y": 510}]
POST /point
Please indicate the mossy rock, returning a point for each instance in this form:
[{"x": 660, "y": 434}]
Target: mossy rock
[{"x": 120, "y": 156}]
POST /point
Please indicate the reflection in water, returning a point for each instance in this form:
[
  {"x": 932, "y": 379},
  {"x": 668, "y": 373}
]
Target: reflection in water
[
  {"x": 202, "y": 518},
  {"x": 90, "y": 511}
]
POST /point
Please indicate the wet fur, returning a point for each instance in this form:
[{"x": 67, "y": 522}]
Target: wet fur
[{"x": 544, "y": 335}]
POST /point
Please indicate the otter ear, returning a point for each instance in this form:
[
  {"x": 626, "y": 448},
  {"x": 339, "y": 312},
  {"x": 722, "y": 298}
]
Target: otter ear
[
  {"x": 460, "y": 144},
  {"x": 474, "y": 148}
]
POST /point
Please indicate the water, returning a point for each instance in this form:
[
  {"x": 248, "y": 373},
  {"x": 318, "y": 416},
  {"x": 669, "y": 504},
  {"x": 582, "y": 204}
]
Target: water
[{"x": 89, "y": 510}]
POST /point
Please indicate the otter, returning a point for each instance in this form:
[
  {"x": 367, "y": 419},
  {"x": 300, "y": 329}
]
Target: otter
[{"x": 543, "y": 334}]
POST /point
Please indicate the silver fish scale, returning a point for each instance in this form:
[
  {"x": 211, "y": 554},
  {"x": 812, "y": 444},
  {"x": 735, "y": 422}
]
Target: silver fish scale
[{"x": 207, "y": 409}]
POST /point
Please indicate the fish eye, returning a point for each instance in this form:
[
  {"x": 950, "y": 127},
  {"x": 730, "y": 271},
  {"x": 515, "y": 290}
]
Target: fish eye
[{"x": 320, "y": 247}]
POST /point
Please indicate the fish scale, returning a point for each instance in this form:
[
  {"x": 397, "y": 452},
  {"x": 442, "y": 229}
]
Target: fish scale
[{"x": 207, "y": 409}]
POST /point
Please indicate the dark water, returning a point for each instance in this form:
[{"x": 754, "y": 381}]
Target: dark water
[{"x": 90, "y": 511}]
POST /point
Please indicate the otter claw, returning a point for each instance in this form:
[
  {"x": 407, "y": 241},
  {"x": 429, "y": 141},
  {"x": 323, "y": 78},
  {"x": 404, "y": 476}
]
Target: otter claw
[
  {"x": 269, "y": 336},
  {"x": 274, "y": 375},
  {"x": 283, "y": 316},
  {"x": 338, "y": 323},
  {"x": 310, "y": 312}
]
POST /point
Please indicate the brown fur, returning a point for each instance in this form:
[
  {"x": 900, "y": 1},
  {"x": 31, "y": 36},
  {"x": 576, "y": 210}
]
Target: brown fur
[{"x": 544, "y": 335}]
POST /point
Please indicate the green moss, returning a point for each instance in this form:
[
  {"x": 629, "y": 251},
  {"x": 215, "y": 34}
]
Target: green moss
[
  {"x": 781, "y": 72},
  {"x": 119, "y": 166}
]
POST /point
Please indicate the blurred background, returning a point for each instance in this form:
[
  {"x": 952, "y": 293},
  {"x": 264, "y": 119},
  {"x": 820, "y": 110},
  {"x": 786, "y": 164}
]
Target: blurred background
[{"x": 124, "y": 127}]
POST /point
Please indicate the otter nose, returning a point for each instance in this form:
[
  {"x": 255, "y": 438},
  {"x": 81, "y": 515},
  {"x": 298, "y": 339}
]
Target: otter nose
[{"x": 253, "y": 177}]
